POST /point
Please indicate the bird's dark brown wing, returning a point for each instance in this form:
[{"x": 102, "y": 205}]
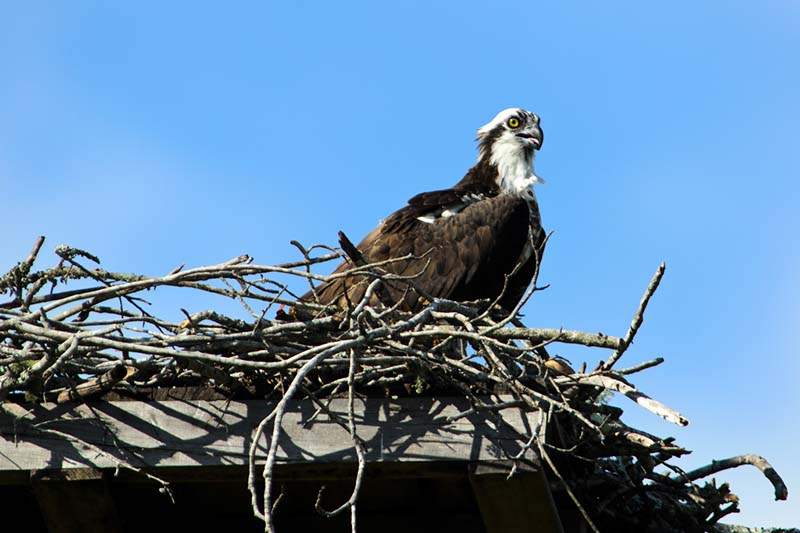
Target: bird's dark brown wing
[
  {"x": 464, "y": 256},
  {"x": 519, "y": 281}
]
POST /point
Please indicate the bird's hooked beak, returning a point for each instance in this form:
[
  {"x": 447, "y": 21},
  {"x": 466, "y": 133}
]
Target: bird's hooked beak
[{"x": 535, "y": 136}]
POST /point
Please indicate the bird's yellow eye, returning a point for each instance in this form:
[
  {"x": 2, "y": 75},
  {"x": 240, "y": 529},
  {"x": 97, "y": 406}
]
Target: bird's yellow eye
[{"x": 513, "y": 122}]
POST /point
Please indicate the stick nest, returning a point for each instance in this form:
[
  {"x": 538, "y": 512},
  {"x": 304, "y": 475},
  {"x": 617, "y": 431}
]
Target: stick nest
[{"x": 75, "y": 331}]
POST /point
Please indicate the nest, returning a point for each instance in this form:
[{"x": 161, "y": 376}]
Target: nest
[{"x": 75, "y": 331}]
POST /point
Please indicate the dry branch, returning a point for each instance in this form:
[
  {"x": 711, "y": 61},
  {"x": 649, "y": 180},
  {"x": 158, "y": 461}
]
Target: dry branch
[
  {"x": 781, "y": 492},
  {"x": 638, "y": 317}
]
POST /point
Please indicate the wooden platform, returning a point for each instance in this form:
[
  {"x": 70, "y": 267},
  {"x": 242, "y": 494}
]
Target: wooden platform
[{"x": 424, "y": 471}]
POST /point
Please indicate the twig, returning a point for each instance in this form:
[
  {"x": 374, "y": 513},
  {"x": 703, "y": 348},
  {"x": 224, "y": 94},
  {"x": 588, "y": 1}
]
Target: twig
[
  {"x": 358, "y": 445},
  {"x": 638, "y": 318},
  {"x": 642, "y": 366}
]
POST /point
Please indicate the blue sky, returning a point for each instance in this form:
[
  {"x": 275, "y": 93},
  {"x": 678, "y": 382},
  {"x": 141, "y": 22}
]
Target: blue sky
[{"x": 156, "y": 134}]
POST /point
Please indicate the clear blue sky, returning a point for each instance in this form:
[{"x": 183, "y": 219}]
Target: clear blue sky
[{"x": 158, "y": 133}]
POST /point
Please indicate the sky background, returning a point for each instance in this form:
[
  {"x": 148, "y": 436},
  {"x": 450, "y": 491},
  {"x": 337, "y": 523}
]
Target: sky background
[{"x": 161, "y": 133}]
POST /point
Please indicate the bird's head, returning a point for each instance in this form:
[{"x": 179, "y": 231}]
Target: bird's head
[
  {"x": 512, "y": 132},
  {"x": 508, "y": 143}
]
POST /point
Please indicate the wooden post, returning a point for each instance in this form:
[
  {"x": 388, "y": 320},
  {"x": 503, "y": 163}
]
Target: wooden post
[
  {"x": 521, "y": 504},
  {"x": 75, "y": 501}
]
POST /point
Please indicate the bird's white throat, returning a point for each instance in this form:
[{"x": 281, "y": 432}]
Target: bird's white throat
[{"x": 515, "y": 173}]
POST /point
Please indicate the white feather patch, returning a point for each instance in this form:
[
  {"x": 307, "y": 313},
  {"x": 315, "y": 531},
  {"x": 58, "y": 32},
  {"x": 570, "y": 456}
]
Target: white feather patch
[{"x": 451, "y": 210}]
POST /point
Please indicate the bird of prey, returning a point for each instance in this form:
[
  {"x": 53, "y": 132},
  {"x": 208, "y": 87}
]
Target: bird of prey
[{"x": 480, "y": 239}]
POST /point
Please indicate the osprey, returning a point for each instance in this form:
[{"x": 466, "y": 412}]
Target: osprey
[{"x": 481, "y": 238}]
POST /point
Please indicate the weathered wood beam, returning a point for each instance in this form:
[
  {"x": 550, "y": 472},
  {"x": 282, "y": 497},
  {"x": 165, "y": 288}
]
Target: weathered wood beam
[{"x": 160, "y": 434}]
